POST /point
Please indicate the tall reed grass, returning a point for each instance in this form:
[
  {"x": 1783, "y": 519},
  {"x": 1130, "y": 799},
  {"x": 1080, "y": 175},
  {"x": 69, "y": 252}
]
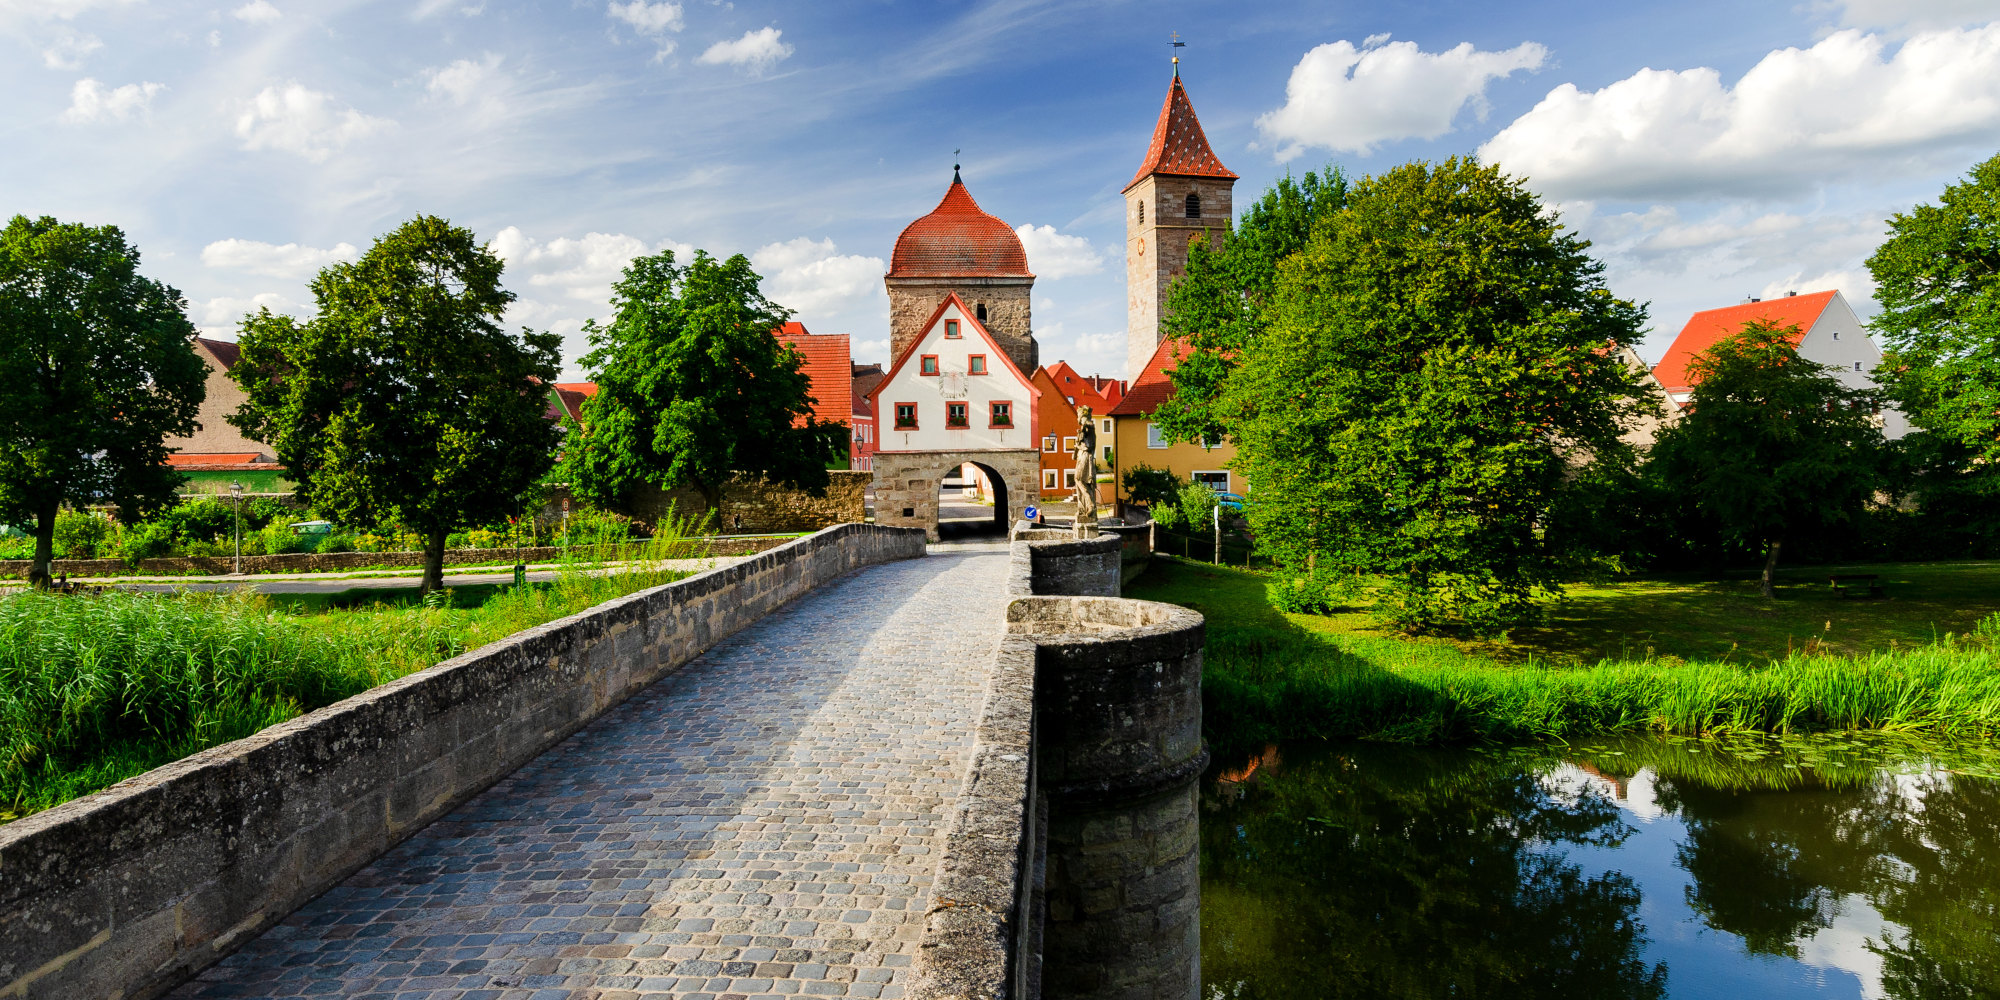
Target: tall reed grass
[
  {"x": 1260, "y": 684},
  {"x": 94, "y": 690}
]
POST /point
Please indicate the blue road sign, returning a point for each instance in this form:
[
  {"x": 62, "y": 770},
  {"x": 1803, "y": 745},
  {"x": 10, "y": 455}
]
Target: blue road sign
[{"x": 1033, "y": 513}]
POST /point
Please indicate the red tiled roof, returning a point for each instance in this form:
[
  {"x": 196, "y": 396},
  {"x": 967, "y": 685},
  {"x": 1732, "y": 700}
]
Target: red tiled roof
[
  {"x": 958, "y": 240},
  {"x": 1084, "y": 387},
  {"x": 1710, "y": 326},
  {"x": 1152, "y": 387},
  {"x": 866, "y": 378},
  {"x": 830, "y": 368},
  {"x": 588, "y": 389},
  {"x": 226, "y": 353},
  {"x": 182, "y": 459},
  {"x": 1179, "y": 145}
]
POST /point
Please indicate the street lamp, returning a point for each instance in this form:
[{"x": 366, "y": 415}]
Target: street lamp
[{"x": 236, "y": 490}]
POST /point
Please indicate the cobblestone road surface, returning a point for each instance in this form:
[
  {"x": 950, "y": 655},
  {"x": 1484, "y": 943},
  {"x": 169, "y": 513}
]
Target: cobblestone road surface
[{"x": 764, "y": 822}]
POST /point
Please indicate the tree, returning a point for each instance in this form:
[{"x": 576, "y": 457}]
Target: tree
[
  {"x": 403, "y": 398},
  {"x": 1772, "y": 444},
  {"x": 1938, "y": 280},
  {"x": 693, "y": 388},
  {"x": 1218, "y": 304},
  {"x": 97, "y": 370},
  {"x": 1154, "y": 488},
  {"x": 1427, "y": 371}
]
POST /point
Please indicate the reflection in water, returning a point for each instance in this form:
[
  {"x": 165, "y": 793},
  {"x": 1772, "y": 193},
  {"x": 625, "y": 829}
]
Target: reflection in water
[{"x": 1630, "y": 868}]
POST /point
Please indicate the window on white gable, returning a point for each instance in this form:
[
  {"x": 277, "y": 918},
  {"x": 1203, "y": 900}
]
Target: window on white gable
[{"x": 951, "y": 329}]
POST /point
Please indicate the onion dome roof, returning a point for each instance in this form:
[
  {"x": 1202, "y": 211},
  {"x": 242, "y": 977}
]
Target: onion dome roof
[{"x": 958, "y": 240}]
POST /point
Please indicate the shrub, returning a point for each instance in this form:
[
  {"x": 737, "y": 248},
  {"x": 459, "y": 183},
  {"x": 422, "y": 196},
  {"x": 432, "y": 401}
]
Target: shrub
[
  {"x": 337, "y": 543},
  {"x": 80, "y": 534},
  {"x": 145, "y": 540},
  {"x": 1197, "y": 504},
  {"x": 1304, "y": 595}
]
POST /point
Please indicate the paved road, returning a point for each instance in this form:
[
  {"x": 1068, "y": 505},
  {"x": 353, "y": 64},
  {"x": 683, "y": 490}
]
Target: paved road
[{"x": 763, "y": 823}]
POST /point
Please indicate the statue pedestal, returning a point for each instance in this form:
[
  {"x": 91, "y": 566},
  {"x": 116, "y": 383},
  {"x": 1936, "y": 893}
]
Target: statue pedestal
[{"x": 1086, "y": 525}]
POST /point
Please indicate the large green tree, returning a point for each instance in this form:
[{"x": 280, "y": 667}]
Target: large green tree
[
  {"x": 403, "y": 398},
  {"x": 1938, "y": 280},
  {"x": 1772, "y": 445},
  {"x": 97, "y": 370},
  {"x": 1218, "y": 305},
  {"x": 694, "y": 388},
  {"x": 1430, "y": 368}
]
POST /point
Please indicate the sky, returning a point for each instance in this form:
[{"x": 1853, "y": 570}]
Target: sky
[{"x": 1709, "y": 150}]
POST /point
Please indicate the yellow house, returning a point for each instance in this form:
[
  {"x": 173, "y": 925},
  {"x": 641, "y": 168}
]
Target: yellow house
[{"x": 1135, "y": 441}]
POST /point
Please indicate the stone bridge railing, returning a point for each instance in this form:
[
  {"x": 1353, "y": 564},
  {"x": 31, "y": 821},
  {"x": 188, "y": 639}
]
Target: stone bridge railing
[
  {"x": 1071, "y": 866},
  {"x": 129, "y": 891}
]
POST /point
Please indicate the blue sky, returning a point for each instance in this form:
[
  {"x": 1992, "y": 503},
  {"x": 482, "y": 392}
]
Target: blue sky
[{"x": 1711, "y": 150}]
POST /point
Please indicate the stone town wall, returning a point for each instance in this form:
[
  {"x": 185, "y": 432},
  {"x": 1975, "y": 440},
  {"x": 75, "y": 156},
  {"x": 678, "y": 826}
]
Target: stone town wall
[
  {"x": 333, "y": 562},
  {"x": 907, "y": 483},
  {"x": 1009, "y": 316},
  {"x": 131, "y": 890},
  {"x": 1071, "y": 868},
  {"x": 1061, "y": 564},
  {"x": 756, "y": 505}
]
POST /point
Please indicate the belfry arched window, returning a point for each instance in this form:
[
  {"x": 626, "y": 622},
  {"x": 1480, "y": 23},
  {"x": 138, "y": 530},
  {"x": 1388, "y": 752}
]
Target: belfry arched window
[
  {"x": 980, "y": 311},
  {"x": 1142, "y": 213},
  {"x": 1194, "y": 206}
]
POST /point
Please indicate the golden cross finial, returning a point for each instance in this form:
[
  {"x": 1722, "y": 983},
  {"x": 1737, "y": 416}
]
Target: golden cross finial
[{"x": 1178, "y": 44}]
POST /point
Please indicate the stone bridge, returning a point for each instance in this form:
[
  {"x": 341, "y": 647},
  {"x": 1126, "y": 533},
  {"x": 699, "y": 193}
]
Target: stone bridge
[{"x": 850, "y": 766}]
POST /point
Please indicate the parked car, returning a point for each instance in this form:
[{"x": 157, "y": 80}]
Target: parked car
[{"x": 1231, "y": 502}]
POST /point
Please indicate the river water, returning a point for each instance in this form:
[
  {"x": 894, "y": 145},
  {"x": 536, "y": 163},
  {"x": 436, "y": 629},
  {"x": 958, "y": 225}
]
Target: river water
[{"x": 1837, "y": 866}]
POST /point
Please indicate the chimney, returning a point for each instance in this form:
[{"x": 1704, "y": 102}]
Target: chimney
[
  {"x": 1752, "y": 298},
  {"x": 1790, "y": 294}
]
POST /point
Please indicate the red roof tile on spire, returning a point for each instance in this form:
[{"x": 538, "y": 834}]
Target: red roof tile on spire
[
  {"x": 957, "y": 240},
  {"x": 1710, "y": 326},
  {"x": 1179, "y": 146}
]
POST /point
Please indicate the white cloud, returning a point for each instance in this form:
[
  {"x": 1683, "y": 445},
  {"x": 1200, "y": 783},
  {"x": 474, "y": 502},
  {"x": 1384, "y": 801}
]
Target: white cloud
[
  {"x": 652, "y": 20},
  {"x": 19, "y": 11},
  {"x": 224, "y": 314},
  {"x": 1798, "y": 118},
  {"x": 562, "y": 282},
  {"x": 68, "y": 49},
  {"x": 286, "y": 260},
  {"x": 1918, "y": 14},
  {"x": 1352, "y": 99},
  {"x": 302, "y": 121},
  {"x": 432, "y": 8},
  {"x": 756, "y": 51},
  {"x": 465, "y": 81},
  {"x": 256, "y": 12},
  {"x": 1054, "y": 255},
  {"x": 90, "y": 101},
  {"x": 814, "y": 277}
]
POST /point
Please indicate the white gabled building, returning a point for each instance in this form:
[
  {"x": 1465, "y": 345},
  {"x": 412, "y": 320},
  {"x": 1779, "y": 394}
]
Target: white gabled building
[
  {"x": 953, "y": 396},
  {"x": 1830, "y": 334}
]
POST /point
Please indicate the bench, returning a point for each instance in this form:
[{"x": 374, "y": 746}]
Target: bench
[{"x": 1854, "y": 584}]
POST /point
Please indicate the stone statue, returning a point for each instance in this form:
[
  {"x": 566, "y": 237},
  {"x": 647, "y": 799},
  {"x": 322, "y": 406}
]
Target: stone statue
[{"x": 1086, "y": 467}]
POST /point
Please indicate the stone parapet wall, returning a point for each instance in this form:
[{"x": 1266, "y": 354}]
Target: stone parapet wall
[
  {"x": 755, "y": 505},
  {"x": 128, "y": 891},
  {"x": 1071, "y": 865},
  {"x": 333, "y": 562}
]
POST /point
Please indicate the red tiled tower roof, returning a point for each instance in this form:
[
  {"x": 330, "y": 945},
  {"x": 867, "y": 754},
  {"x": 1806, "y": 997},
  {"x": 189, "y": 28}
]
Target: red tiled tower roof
[
  {"x": 958, "y": 240},
  {"x": 1179, "y": 146},
  {"x": 1710, "y": 326}
]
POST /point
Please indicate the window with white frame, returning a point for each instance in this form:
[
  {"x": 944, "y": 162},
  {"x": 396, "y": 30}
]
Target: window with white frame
[
  {"x": 1214, "y": 479},
  {"x": 1069, "y": 479},
  {"x": 1154, "y": 439},
  {"x": 1069, "y": 445},
  {"x": 1049, "y": 479},
  {"x": 1049, "y": 444},
  {"x": 1104, "y": 426}
]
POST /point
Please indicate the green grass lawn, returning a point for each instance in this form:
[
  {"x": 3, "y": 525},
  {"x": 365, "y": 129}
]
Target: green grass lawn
[
  {"x": 1674, "y": 656},
  {"x": 1635, "y": 619}
]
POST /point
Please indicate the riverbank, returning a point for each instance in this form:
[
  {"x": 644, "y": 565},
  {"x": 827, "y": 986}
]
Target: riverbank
[
  {"x": 94, "y": 690},
  {"x": 1270, "y": 675}
]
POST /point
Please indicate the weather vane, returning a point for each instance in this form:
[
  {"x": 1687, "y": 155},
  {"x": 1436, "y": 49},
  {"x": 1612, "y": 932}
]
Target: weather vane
[{"x": 1178, "y": 44}]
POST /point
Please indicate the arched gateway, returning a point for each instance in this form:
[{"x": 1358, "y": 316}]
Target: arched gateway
[{"x": 959, "y": 391}]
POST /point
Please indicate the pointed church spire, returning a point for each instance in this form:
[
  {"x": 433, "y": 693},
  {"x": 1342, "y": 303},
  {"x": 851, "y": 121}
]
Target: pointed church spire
[{"x": 1179, "y": 146}]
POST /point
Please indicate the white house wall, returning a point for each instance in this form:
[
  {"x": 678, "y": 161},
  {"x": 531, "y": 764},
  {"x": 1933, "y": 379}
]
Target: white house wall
[
  {"x": 909, "y": 385},
  {"x": 1838, "y": 339}
]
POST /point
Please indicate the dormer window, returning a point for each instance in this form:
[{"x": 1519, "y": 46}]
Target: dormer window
[
  {"x": 951, "y": 329},
  {"x": 1194, "y": 206}
]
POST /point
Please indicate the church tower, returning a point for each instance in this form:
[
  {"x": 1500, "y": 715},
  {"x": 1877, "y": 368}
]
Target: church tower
[
  {"x": 1181, "y": 193},
  {"x": 959, "y": 248}
]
